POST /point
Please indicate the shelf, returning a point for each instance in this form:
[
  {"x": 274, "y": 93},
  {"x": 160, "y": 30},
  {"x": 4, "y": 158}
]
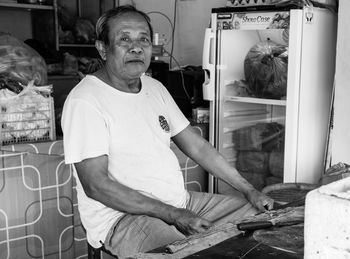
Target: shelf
[
  {"x": 63, "y": 45},
  {"x": 27, "y": 6},
  {"x": 255, "y": 100},
  {"x": 57, "y": 77}
]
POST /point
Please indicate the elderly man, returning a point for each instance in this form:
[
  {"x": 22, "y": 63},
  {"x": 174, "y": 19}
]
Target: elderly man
[{"x": 117, "y": 126}]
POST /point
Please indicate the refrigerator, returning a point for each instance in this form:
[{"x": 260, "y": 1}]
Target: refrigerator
[{"x": 269, "y": 76}]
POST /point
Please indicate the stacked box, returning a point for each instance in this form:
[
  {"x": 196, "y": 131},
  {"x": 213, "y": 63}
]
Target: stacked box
[{"x": 27, "y": 118}]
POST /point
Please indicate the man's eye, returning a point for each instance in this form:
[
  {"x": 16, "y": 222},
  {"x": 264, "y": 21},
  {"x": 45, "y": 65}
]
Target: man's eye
[
  {"x": 145, "y": 40},
  {"x": 125, "y": 39}
]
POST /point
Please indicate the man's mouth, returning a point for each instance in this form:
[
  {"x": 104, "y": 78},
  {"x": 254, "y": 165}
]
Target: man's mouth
[{"x": 135, "y": 61}]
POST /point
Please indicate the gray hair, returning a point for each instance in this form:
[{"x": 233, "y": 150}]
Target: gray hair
[{"x": 102, "y": 28}]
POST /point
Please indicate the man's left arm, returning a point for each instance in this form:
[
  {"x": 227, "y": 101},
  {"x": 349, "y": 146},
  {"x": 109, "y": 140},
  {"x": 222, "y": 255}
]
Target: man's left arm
[{"x": 203, "y": 153}]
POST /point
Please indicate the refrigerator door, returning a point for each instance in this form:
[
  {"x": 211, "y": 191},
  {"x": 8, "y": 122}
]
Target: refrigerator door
[
  {"x": 250, "y": 124},
  {"x": 310, "y": 90}
]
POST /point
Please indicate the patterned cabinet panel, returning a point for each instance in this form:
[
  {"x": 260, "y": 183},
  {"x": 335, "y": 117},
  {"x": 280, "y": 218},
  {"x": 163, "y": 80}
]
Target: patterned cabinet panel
[{"x": 36, "y": 203}]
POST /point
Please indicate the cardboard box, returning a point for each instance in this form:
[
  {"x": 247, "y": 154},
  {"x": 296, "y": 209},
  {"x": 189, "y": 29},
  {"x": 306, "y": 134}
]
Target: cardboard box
[{"x": 200, "y": 115}]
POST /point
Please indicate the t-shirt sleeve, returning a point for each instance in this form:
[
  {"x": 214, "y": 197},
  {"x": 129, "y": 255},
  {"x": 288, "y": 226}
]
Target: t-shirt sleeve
[
  {"x": 177, "y": 120},
  {"x": 85, "y": 131}
]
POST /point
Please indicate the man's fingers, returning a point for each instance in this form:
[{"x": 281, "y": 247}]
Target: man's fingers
[
  {"x": 268, "y": 204},
  {"x": 261, "y": 207},
  {"x": 203, "y": 226},
  {"x": 206, "y": 224}
]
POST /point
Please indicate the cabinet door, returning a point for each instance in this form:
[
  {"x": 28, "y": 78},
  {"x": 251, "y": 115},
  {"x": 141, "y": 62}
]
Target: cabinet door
[
  {"x": 30, "y": 21},
  {"x": 45, "y": 27}
]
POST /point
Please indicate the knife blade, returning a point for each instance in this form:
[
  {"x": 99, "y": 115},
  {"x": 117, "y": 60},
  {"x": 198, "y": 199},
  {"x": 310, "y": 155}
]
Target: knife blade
[{"x": 255, "y": 225}]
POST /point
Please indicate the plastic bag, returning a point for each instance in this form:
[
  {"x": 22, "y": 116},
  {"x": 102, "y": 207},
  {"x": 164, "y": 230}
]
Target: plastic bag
[
  {"x": 265, "y": 69},
  {"x": 6, "y": 95},
  {"x": 335, "y": 173},
  {"x": 20, "y": 64}
]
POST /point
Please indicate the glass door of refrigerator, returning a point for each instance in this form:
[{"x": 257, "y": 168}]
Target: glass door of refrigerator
[{"x": 251, "y": 122}]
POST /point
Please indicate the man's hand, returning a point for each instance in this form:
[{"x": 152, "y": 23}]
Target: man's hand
[
  {"x": 261, "y": 201},
  {"x": 188, "y": 222}
]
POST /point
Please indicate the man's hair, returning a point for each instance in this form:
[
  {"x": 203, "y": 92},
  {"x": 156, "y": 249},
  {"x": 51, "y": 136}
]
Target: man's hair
[{"x": 102, "y": 27}]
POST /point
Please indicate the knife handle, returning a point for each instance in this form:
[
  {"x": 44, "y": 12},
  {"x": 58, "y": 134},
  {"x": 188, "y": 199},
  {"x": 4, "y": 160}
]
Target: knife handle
[{"x": 254, "y": 225}]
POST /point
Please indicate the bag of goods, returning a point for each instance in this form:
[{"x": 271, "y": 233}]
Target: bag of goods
[
  {"x": 20, "y": 64},
  {"x": 253, "y": 162},
  {"x": 89, "y": 65},
  {"x": 262, "y": 136},
  {"x": 265, "y": 69},
  {"x": 84, "y": 31}
]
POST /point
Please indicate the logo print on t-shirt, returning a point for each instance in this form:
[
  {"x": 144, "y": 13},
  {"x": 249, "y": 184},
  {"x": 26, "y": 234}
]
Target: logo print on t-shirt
[{"x": 163, "y": 123}]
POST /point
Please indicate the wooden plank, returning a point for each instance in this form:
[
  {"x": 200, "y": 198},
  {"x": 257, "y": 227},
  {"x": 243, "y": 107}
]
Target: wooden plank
[{"x": 194, "y": 243}]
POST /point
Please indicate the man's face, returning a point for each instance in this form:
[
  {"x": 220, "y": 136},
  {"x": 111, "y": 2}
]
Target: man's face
[{"x": 130, "y": 47}]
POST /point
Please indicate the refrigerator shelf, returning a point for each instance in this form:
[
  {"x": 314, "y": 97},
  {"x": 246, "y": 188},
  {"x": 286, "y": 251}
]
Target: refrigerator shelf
[
  {"x": 228, "y": 130},
  {"x": 244, "y": 113},
  {"x": 255, "y": 100}
]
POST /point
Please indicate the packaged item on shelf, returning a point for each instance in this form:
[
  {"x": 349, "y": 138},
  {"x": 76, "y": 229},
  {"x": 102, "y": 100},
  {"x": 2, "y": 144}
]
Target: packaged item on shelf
[
  {"x": 263, "y": 137},
  {"x": 265, "y": 69},
  {"x": 89, "y": 65},
  {"x": 280, "y": 3},
  {"x": 70, "y": 64},
  {"x": 200, "y": 115}
]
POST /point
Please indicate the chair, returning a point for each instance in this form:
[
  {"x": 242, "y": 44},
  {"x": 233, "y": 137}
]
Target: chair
[{"x": 95, "y": 253}]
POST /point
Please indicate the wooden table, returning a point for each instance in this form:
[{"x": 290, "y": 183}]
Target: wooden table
[{"x": 243, "y": 247}]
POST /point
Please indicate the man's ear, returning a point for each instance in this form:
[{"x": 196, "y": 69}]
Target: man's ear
[{"x": 101, "y": 48}]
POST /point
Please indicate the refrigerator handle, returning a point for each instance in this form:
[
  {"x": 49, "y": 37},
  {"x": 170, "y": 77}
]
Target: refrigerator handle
[{"x": 208, "y": 65}]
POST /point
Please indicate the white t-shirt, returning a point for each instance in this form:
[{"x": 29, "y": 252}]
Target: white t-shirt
[{"x": 134, "y": 130}]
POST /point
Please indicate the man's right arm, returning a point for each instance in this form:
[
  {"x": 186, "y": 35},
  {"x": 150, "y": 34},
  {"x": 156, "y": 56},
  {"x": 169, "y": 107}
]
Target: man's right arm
[{"x": 93, "y": 175}]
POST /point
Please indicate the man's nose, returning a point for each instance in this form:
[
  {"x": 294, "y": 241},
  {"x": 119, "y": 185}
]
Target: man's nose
[{"x": 136, "y": 47}]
